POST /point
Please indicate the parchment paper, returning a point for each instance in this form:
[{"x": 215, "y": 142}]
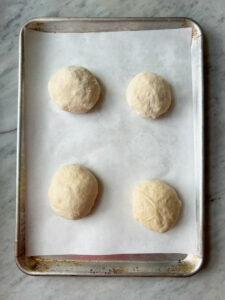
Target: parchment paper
[{"x": 119, "y": 146}]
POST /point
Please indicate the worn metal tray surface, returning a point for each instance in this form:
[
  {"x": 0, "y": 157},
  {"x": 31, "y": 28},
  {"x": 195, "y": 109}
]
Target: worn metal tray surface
[{"x": 171, "y": 264}]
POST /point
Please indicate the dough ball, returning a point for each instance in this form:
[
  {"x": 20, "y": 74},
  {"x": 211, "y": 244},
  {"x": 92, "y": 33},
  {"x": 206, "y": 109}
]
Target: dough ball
[
  {"x": 156, "y": 205},
  {"x": 72, "y": 192},
  {"x": 74, "y": 89},
  {"x": 149, "y": 95}
]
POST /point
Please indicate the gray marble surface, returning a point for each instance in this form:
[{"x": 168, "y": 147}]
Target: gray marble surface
[{"x": 209, "y": 282}]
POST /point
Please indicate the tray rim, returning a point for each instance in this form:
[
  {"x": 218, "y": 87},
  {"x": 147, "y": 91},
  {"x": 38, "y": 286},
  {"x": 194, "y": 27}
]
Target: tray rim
[{"x": 37, "y": 265}]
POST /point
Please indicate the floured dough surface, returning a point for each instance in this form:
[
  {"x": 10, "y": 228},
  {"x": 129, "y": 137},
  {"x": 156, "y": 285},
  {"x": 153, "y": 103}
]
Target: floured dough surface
[
  {"x": 73, "y": 191},
  {"x": 156, "y": 205},
  {"x": 74, "y": 89},
  {"x": 149, "y": 95}
]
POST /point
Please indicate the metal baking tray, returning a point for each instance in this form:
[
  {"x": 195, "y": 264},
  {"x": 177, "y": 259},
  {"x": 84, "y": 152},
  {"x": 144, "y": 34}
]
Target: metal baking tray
[{"x": 170, "y": 264}]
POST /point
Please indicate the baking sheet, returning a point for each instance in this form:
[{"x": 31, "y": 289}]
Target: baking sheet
[{"x": 119, "y": 146}]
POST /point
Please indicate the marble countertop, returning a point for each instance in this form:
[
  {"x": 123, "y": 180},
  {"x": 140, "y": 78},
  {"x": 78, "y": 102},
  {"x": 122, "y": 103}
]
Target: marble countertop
[{"x": 209, "y": 282}]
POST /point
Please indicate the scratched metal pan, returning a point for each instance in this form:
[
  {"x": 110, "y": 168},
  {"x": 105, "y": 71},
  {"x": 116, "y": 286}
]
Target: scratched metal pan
[{"x": 170, "y": 264}]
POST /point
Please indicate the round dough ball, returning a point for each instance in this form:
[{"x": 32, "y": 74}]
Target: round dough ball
[
  {"x": 149, "y": 95},
  {"x": 74, "y": 89},
  {"x": 72, "y": 192},
  {"x": 156, "y": 205}
]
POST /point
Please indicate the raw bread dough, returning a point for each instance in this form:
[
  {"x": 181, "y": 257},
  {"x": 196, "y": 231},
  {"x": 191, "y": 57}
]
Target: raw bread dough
[
  {"x": 156, "y": 205},
  {"x": 74, "y": 89},
  {"x": 149, "y": 95},
  {"x": 72, "y": 192}
]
